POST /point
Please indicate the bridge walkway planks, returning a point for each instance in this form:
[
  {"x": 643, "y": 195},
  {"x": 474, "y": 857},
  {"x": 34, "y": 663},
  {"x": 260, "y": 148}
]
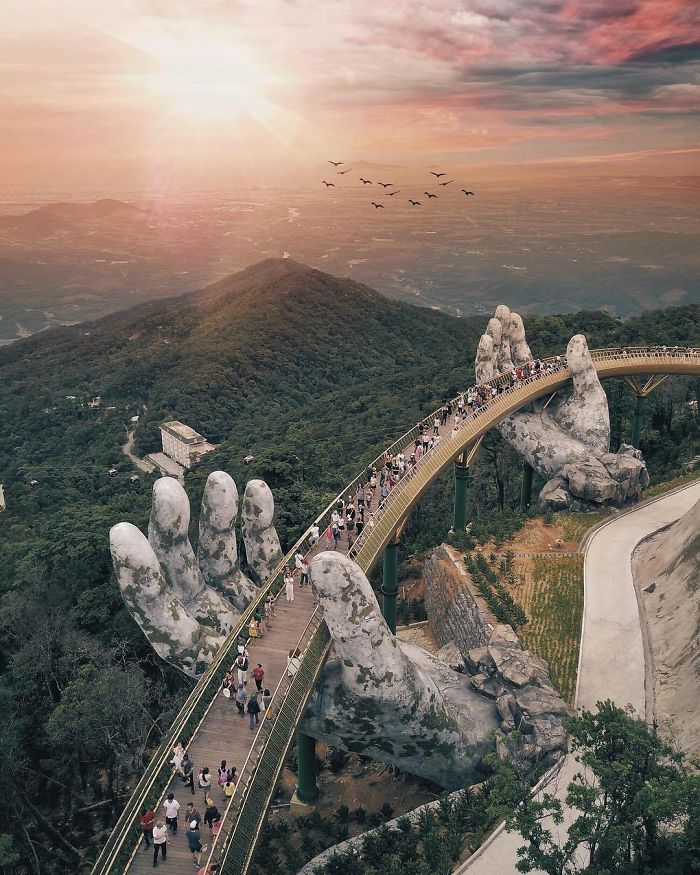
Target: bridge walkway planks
[{"x": 226, "y": 736}]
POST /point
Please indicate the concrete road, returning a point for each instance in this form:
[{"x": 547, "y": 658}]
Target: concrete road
[{"x": 612, "y": 660}]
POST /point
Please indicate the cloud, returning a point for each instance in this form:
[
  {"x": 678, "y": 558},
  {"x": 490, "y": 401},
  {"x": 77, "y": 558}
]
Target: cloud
[{"x": 681, "y": 53}]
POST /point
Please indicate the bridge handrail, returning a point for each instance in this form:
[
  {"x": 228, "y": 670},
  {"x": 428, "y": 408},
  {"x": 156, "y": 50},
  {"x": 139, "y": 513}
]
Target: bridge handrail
[{"x": 157, "y": 776}]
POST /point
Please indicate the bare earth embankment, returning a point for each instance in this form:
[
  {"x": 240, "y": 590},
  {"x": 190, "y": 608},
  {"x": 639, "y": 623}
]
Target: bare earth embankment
[{"x": 666, "y": 570}]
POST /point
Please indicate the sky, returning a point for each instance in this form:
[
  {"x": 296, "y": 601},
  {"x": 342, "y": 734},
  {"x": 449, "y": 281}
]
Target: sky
[{"x": 218, "y": 94}]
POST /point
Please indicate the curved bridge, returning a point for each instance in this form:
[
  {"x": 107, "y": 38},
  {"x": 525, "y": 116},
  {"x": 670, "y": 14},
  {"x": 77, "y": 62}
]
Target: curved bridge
[{"x": 201, "y": 716}]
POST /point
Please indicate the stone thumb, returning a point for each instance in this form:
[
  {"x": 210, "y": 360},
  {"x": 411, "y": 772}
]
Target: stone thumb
[
  {"x": 583, "y": 372},
  {"x": 368, "y": 650}
]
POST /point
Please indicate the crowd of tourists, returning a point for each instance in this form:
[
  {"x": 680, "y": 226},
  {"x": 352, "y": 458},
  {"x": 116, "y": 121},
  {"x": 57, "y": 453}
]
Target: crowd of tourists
[{"x": 157, "y": 831}]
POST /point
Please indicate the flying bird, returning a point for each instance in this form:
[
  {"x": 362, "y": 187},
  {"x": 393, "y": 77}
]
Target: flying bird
[
  {"x": 429, "y": 194},
  {"x": 365, "y": 181},
  {"x": 414, "y": 203},
  {"x": 386, "y": 184},
  {"x": 335, "y": 163},
  {"x": 437, "y": 175},
  {"x": 377, "y": 206},
  {"x": 446, "y": 183},
  {"x": 342, "y": 172},
  {"x": 328, "y": 184},
  {"x": 467, "y": 193},
  {"x": 392, "y": 193}
]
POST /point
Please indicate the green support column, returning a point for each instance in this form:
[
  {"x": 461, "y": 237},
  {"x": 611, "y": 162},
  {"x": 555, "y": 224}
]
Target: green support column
[
  {"x": 459, "y": 520},
  {"x": 526, "y": 487},
  {"x": 390, "y": 585},
  {"x": 307, "y": 791},
  {"x": 637, "y": 425}
]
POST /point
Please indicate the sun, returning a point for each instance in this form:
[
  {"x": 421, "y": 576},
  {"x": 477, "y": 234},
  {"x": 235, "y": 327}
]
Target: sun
[{"x": 209, "y": 80}]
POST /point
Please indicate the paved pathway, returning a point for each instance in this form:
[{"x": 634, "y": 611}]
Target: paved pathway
[
  {"x": 612, "y": 655},
  {"x": 128, "y": 450}
]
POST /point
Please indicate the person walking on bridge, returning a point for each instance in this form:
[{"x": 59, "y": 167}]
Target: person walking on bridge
[
  {"x": 242, "y": 668},
  {"x": 258, "y": 675},
  {"x": 148, "y": 821},
  {"x": 289, "y": 585},
  {"x": 171, "y": 806},
  {"x": 194, "y": 840},
  {"x": 160, "y": 841},
  {"x": 241, "y": 697},
  {"x": 253, "y": 711}
]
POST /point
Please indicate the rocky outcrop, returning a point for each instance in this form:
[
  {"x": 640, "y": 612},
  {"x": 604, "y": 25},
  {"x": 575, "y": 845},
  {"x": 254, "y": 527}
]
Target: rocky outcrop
[
  {"x": 525, "y": 698},
  {"x": 567, "y": 440},
  {"x": 614, "y": 479},
  {"x": 515, "y": 680},
  {"x": 454, "y": 615},
  {"x": 667, "y": 571}
]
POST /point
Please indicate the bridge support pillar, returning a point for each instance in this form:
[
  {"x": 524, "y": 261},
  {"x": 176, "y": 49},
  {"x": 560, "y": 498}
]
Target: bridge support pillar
[
  {"x": 637, "y": 423},
  {"x": 459, "y": 519},
  {"x": 526, "y": 487},
  {"x": 307, "y": 789},
  {"x": 390, "y": 584}
]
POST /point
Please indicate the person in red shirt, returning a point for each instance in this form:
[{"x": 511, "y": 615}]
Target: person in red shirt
[
  {"x": 259, "y": 674},
  {"x": 148, "y": 821}
]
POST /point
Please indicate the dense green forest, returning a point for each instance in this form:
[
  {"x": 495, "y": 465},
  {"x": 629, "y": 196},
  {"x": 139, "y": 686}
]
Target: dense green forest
[{"x": 311, "y": 374}]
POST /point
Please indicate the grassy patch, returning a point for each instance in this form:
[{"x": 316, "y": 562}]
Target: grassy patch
[
  {"x": 574, "y": 526},
  {"x": 553, "y": 600},
  {"x": 667, "y": 485}
]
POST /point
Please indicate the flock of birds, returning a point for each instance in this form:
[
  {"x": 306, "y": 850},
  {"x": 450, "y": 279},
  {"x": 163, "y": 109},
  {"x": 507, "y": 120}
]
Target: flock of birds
[{"x": 385, "y": 185}]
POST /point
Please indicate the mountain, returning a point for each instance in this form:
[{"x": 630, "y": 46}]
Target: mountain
[{"x": 51, "y": 217}]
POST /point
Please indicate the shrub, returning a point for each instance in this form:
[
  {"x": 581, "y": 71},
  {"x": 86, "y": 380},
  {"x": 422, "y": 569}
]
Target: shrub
[
  {"x": 359, "y": 814},
  {"x": 337, "y": 759}
]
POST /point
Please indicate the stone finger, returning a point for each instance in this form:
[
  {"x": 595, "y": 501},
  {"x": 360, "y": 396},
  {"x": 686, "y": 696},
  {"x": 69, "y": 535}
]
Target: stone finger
[
  {"x": 585, "y": 413},
  {"x": 484, "y": 364},
  {"x": 520, "y": 351},
  {"x": 217, "y": 550},
  {"x": 168, "y": 533},
  {"x": 262, "y": 545},
  {"x": 175, "y": 635},
  {"x": 504, "y": 360}
]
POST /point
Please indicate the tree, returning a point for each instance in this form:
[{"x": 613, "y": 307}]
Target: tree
[{"x": 635, "y": 799}]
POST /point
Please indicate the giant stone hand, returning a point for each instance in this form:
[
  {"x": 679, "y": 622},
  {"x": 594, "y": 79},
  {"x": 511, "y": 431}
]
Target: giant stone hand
[
  {"x": 186, "y": 605},
  {"x": 568, "y": 441},
  {"x": 387, "y": 698}
]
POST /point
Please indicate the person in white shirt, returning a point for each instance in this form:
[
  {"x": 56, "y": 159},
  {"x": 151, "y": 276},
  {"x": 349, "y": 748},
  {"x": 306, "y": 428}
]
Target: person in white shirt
[
  {"x": 289, "y": 585},
  {"x": 171, "y": 806},
  {"x": 160, "y": 840},
  {"x": 315, "y": 535}
]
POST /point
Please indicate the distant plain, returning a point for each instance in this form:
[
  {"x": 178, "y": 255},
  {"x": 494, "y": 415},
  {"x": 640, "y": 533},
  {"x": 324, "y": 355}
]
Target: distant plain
[{"x": 622, "y": 244}]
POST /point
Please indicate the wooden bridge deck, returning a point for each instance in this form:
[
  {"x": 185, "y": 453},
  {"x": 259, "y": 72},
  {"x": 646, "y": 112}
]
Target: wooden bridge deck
[{"x": 226, "y": 736}]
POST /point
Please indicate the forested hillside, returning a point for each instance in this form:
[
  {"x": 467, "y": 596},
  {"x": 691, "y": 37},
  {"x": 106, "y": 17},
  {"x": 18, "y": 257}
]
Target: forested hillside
[{"x": 309, "y": 373}]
